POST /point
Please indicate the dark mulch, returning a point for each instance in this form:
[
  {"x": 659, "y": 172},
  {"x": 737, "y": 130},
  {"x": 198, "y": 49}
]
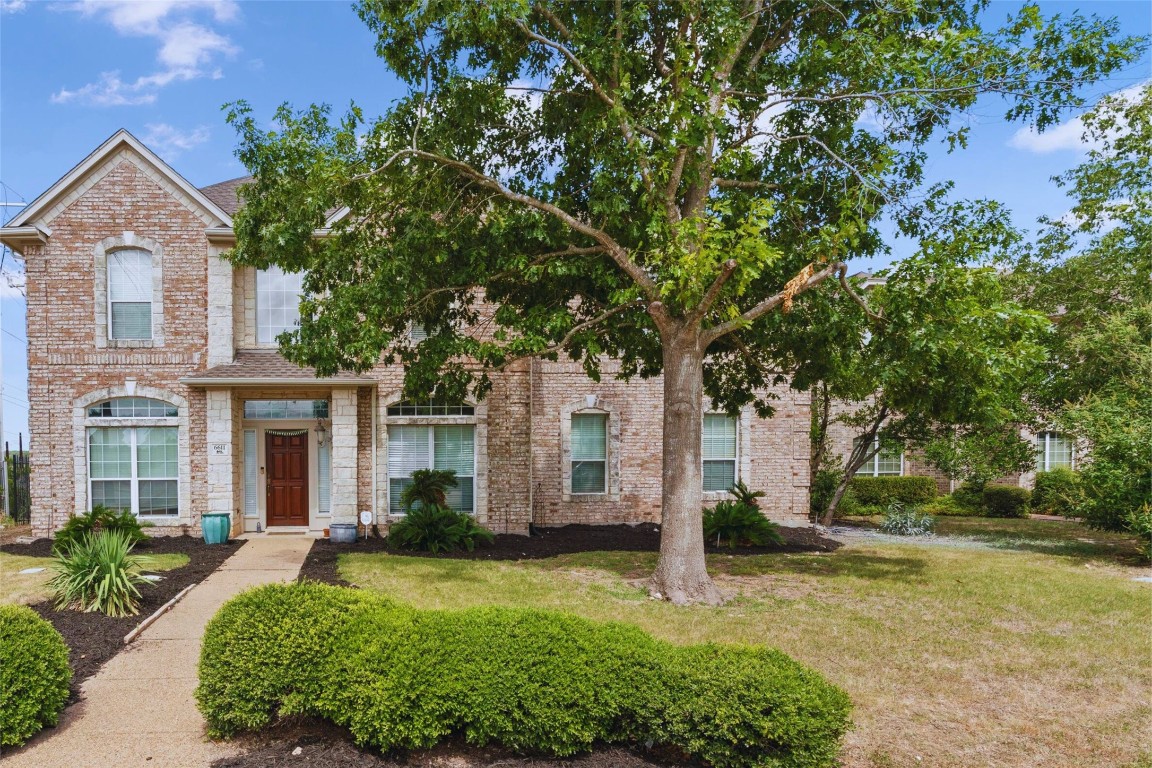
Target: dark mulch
[
  {"x": 550, "y": 542},
  {"x": 93, "y": 638},
  {"x": 323, "y": 745}
]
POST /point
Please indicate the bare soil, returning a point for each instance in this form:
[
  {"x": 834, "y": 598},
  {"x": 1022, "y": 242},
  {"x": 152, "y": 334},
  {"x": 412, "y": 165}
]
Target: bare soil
[
  {"x": 323, "y": 745},
  {"x": 93, "y": 638},
  {"x": 320, "y": 564}
]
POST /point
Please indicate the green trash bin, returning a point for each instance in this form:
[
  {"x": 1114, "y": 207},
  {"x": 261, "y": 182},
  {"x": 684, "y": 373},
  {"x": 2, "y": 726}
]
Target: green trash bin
[{"x": 216, "y": 527}]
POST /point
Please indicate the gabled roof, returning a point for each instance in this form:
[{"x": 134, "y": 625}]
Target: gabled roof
[
  {"x": 115, "y": 143},
  {"x": 226, "y": 194}
]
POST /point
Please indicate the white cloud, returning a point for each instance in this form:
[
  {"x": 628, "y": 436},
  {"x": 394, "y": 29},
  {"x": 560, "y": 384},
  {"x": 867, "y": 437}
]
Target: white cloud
[
  {"x": 188, "y": 49},
  {"x": 12, "y": 6},
  {"x": 169, "y": 141},
  {"x": 1068, "y": 135}
]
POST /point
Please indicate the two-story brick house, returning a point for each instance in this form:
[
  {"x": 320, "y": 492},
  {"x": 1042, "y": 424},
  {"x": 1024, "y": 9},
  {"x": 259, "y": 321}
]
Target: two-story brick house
[{"x": 155, "y": 386}]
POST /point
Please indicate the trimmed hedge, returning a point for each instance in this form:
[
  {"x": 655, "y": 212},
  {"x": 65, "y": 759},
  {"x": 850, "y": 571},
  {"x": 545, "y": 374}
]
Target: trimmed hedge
[
  {"x": 882, "y": 491},
  {"x": 1006, "y": 500},
  {"x": 533, "y": 681},
  {"x": 1057, "y": 492},
  {"x": 34, "y": 674}
]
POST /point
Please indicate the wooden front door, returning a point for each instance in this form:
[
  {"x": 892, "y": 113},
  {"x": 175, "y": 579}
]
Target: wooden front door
[{"x": 286, "y": 457}]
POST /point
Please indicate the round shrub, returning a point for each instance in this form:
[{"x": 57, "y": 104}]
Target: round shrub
[
  {"x": 263, "y": 653},
  {"x": 1006, "y": 500},
  {"x": 34, "y": 674},
  {"x": 533, "y": 681},
  {"x": 1057, "y": 492},
  {"x": 969, "y": 495}
]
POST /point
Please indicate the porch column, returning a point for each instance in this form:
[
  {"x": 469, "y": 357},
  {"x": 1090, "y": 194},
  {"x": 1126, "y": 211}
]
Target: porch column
[
  {"x": 220, "y": 458},
  {"x": 344, "y": 456},
  {"x": 221, "y": 349}
]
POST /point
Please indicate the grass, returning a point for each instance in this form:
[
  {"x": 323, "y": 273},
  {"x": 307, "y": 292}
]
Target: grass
[
  {"x": 29, "y": 588},
  {"x": 953, "y": 656}
]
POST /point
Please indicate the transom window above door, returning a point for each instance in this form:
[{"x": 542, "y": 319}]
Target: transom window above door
[
  {"x": 286, "y": 409},
  {"x": 277, "y": 303}
]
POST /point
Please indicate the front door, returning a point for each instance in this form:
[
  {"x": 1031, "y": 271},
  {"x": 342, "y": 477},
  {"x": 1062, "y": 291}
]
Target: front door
[{"x": 287, "y": 496}]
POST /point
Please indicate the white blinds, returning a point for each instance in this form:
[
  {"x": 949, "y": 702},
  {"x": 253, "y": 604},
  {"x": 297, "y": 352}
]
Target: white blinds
[
  {"x": 130, "y": 294},
  {"x": 324, "y": 478},
  {"x": 250, "y": 474}
]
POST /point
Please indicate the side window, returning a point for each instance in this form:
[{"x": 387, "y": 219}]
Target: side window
[
  {"x": 719, "y": 451},
  {"x": 130, "y": 294},
  {"x": 589, "y": 453},
  {"x": 277, "y": 303}
]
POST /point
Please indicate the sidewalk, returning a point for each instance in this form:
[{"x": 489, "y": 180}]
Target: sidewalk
[{"x": 139, "y": 709}]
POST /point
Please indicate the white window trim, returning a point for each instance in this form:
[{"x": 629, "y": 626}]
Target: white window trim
[
  {"x": 607, "y": 450},
  {"x": 134, "y": 479},
  {"x": 81, "y": 421},
  {"x": 590, "y": 404},
  {"x": 478, "y": 419},
  {"x": 872, "y": 467},
  {"x": 102, "y": 302},
  {"x": 743, "y": 450},
  {"x": 431, "y": 424},
  {"x": 1046, "y": 451},
  {"x": 736, "y": 460},
  {"x": 272, "y": 344}
]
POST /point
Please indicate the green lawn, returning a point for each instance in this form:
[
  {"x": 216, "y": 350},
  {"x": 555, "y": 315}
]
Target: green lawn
[
  {"x": 956, "y": 656},
  {"x": 28, "y": 588}
]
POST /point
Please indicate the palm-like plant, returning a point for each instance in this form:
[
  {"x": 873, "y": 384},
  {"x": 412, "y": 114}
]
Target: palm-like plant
[
  {"x": 745, "y": 495},
  {"x": 98, "y": 573},
  {"x": 739, "y": 524},
  {"x": 436, "y": 529},
  {"x": 429, "y": 488}
]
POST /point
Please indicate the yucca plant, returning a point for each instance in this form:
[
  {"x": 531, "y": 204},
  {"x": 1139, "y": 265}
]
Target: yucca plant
[
  {"x": 739, "y": 524},
  {"x": 429, "y": 488},
  {"x": 436, "y": 529},
  {"x": 99, "y": 573}
]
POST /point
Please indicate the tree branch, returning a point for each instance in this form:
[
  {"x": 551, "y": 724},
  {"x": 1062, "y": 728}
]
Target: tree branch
[
  {"x": 578, "y": 328},
  {"x": 713, "y": 291},
  {"x": 843, "y": 276},
  {"x": 804, "y": 280}
]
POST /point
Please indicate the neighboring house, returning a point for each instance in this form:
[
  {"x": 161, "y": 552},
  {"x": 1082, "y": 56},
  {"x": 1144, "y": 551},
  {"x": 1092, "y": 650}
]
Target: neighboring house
[{"x": 155, "y": 386}]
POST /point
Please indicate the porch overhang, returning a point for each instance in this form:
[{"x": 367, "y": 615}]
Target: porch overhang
[{"x": 268, "y": 368}]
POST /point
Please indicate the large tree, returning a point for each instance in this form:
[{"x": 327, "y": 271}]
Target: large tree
[
  {"x": 1091, "y": 270},
  {"x": 643, "y": 181}
]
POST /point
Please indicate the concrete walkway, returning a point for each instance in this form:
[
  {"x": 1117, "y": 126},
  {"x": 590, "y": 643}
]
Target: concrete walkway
[{"x": 138, "y": 710}]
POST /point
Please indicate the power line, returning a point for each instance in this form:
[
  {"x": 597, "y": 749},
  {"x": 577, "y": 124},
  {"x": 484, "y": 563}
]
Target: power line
[{"x": 19, "y": 339}]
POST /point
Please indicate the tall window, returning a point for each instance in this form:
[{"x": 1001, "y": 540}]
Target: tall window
[
  {"x": 589, "y": 453},
  {"x": 135, "y": 467},
  {"x": 884, "y": 463},
  {"x": 1054, "y": 451},
  {"x": 435, "y": 446},
  {"x": 719, "y": 451},
  {"x": 130, "y": 295},
  {"x": 277, "y": 303}
]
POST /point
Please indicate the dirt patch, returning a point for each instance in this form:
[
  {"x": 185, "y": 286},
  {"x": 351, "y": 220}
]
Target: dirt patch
[
  {"x": 12, "y": 532},
  {"x": 320, "y": 564},
  {"x": 93, "y": 638},
  {"x": 323, "y": 745}
]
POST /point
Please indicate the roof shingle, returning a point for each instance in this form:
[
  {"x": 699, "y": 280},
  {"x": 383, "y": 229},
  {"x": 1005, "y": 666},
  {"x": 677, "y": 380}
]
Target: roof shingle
[{"x": 263, "y": 365}]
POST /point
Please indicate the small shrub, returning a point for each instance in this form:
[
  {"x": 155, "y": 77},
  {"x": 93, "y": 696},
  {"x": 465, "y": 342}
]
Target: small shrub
[
  {"x": 429, "y": 488},
  {"x": 946, "y": 506},
  {"x": 882, "y": 491},
  {"x": 98, "y": 573},
  {"x": 34, "y": 674},
  {"x": 1057, "y": 492},
  {"x": 823, "y": 487},
  {"x": 99, "y": 519},
  {"x": 739, "y": 524},
  {"x": 1140, "y": 523},
  {"x": 970, "y": 496},
  {"x": 532, "y": 681},
  {"x": 903, "y": 520},
  {"x": 745, "y": 495},
  {"x": 1006, "y": 500},
  {"x": 436, "y": 529}
]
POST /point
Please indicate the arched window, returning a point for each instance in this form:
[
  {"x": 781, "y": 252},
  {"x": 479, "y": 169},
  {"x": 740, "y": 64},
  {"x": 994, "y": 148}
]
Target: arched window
[{"x": 133, "y": 459}]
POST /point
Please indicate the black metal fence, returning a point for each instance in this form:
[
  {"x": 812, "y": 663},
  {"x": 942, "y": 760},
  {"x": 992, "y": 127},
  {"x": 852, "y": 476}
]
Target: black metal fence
[{"x": 19, "y": 490}]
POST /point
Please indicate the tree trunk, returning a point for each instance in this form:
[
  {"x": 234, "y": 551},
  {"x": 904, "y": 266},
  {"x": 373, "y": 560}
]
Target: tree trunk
[
  {"x": 681, "y": 576},
  {"x": 834, "y": 502}
]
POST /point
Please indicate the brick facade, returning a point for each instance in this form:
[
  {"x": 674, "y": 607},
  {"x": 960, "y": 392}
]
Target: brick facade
[{"x": 204, "y": 314}]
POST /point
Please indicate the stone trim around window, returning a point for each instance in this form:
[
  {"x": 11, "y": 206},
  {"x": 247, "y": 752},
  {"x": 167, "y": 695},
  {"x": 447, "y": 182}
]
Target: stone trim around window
[
  {"x": 743, "y": 451},
  {"x": 125, "y": 241},
  {"x": 81, "y": 421},
  {"x": 479, "y": 419},
  {"x": 590, "y": 405}
]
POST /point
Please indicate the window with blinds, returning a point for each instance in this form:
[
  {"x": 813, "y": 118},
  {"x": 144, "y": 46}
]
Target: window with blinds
[
  {"x": 885, "y": 463},
  {"x": 324, "y": 478},
  {"x": 130, "y": 294},
  {"x": 134, "y": 469},
  {"x": 589, "y": 453},
  {"x": 718, "y": 450},
  {"x": 251, "y": 479},
  {"x": 413, "y": 447}
]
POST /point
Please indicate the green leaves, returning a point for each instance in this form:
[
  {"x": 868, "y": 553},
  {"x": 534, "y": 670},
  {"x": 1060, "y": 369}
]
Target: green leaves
[
  {"x": 97, "y": 573},
  {"x": 34, "y": 674}
]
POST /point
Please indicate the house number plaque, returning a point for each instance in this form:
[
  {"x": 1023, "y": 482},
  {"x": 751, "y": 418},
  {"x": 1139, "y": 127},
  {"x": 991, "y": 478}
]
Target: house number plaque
[{"x": 218, "y": 449}]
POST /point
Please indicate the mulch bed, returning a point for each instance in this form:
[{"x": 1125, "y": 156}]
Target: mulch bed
[
  {"x": 323, "y": 745},
  {"x": 320, "y": 564},
  {"x": 93, "y": 638}
]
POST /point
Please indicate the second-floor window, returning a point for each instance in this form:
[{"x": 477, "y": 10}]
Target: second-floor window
[
  {"x": 277, "y": 303},
  {"x": 130, "y": 294}
]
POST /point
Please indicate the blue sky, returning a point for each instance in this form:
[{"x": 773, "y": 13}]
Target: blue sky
[{"x": 72, "y": 73}]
